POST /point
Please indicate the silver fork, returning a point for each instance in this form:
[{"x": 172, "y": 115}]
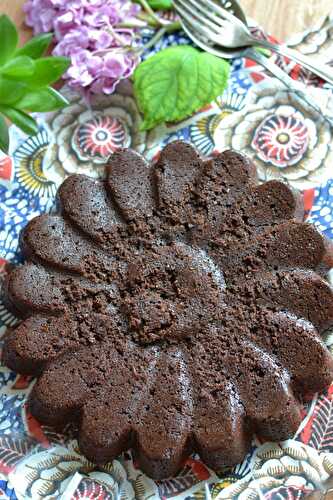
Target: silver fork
[
  {"x": 217, "y": 25},
  {"x": 250, "y": 53}
]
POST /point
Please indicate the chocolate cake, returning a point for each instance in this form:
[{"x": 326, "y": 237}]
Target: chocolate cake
[{"x": 172, "y": 308}]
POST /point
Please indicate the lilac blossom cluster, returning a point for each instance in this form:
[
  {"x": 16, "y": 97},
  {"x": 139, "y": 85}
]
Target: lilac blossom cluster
[{"x": 90, "y": 32}]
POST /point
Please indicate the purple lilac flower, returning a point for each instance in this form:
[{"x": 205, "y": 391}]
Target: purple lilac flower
[
  {"x": 100, "y": 39},
  {"x": 88, "y": 32},
  {"x": 73, "y": 42}
]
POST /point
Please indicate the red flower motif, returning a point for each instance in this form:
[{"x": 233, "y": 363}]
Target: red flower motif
[
  {"x": 281, "y": 140},
  {"x": 287, "y": 493},
  {"x": 90, "y": 489},
  {"x": 99, "y": 137}
]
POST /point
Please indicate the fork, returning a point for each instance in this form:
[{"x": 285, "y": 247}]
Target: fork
[
  {"x": 250, "y": 53},
  {"x": 215, "y": 24}
]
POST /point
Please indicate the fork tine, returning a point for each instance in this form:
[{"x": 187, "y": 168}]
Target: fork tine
[
  {"x": 205, "y": 45},
  {"x": 192, "y": 17},
  {"x": 196, "y": 26},
  {"x": 200, "y": 43},
  {"x": 206, "y": 12},
  {"x": 217, "y": 9}
]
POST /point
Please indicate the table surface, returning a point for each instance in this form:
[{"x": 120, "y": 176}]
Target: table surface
[{"x": 282, "y": 18}]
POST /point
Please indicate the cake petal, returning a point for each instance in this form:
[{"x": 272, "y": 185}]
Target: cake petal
[
  {"x": 290, "y": 340},
  {"x": 271, "y": 203},
  {"x": 106, "y": 428},
  {"x": 60, "y": 392},
  {"x": 32, "y": 288},
  {"x": 69, "y": 381},
  {"x": 293, "y": 244},
  {"x": 35, "y": 341},
  {"x": 301, "y": 292},
  {"x": 224, "y": 182},
  {"x": 109, "y": 417},
  {"x": 225, "y": 178},
  {"x": 175, "y": 173},
  {"x": 266, "y": 394},
  {"x": 164, "y": 430},
  {"x": 262, "y": 385},
  {"x": 288, "y": 245},
  {"x": 85, "y": 202},
  {"x": 221, "y": 435},
  {"x": 55, "y": 242},
  {"x": 129, "y": 181}
]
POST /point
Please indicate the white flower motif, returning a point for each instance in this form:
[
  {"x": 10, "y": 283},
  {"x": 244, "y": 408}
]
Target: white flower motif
[
  {"x": 288, "y": 464},
  {"x": 317, "y": 40},
  {"x": 286, "y": 138},
  {"x": 57, "y": 472},
  {"x": 83, "y": 138}
]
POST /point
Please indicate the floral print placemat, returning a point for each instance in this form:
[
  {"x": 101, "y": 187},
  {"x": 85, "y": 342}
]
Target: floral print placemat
[{"x": 288, "y": 141}]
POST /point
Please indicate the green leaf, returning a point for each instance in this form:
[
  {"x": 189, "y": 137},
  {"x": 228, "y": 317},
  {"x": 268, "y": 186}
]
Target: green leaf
[
  {"x": 11, "y": 91},
  {"x": 176, "y": 82},
  {"x": 36, "y": 47},
  {"x": 4, "y": 135},
  {"x": 20, "y": 119},
  {"x": 47, "y": 71},
  {"x": 19, "y": 67},
  {"x": 42, "y": 100},
  {"x": 8, "y": 38},
  {"x": 160, "y": 4}
]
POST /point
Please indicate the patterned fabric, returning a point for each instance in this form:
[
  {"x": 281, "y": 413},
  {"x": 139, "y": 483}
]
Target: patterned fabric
[{"x": 288, "y": 141}]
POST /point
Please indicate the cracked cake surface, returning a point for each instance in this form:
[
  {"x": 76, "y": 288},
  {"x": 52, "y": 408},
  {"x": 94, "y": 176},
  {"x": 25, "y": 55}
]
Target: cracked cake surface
[{"x": 172, "y": 308}]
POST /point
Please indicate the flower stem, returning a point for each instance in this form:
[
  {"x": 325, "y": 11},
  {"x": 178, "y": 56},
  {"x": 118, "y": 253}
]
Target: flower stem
[
  {"x": 154, "y": 39},
  {"x": 170, "y": 28},
  {"x": 115, "y": 35},
  {"x": 145, "y": 5},
  {"x": 136, "y": 23}
]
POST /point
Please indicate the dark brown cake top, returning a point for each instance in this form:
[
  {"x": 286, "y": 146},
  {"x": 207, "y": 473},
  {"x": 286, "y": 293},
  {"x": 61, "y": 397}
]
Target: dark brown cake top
[{"x": 174, "y": 307}]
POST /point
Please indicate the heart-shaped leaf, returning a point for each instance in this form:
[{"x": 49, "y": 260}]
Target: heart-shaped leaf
[{"x": 176, "y": 82}]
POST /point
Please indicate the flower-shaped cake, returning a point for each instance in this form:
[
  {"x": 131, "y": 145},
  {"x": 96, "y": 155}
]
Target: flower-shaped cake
[{"x": 172, "y": 308}]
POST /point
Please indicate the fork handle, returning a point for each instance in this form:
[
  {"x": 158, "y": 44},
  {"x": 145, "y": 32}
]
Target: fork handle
[
  {"x": 318, "y": 68},
  {"x": 275, "y": 70}
]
